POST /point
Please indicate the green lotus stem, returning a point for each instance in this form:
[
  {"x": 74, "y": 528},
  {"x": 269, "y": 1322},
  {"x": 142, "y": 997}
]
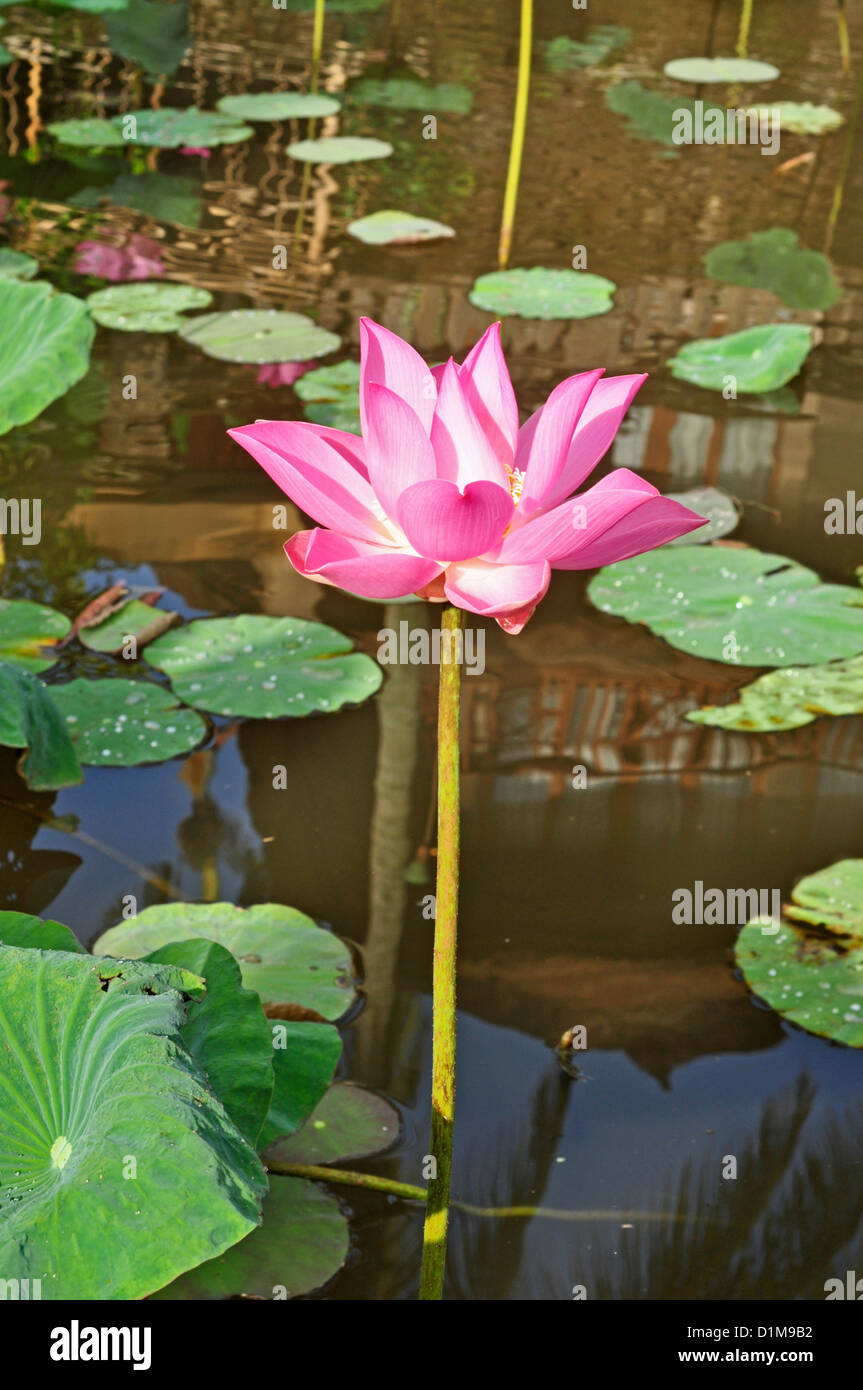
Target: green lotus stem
[
  {"x": 444, "y": 964},
  {"x": 844, "y": 37},
  {"x": 516, "y": 147},
  {"x": 317, "y": 42},
  {"x": 743, "y": 31},
  {"x": 839, "y": 190}
]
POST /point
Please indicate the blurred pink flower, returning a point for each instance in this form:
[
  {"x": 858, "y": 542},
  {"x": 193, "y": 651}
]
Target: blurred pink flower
[
  {"x": 283, "y": 373},
  {"x": 196, "y": 149},
  {"x": 137, "y": 259},
  {"x": 444, "y": 496}
]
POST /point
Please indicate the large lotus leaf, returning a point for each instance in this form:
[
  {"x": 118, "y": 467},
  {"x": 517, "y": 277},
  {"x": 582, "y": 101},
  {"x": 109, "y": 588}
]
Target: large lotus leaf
[
  {"x": 339, "y": 149},
  {"x": 258, "y": 667},
  {"x": 812, "y": 980},
  {"x": 119, "y": 1169},
  {"x": 151, "y": 34},
  {"x": 278, "y": 106},
  {"x": 790, "y": 698},
  {"x": 24, "y": 930},
  {"x": 283, "y": 954},
  {"x": 115, "y": 722},
  {"x": 28, "y": 632},
  {"x": 301, "y": 1244},
  {"x": 391, "y": 228},
  {"x": 305, "y": 1056},
  {"x": 259, "y": 335},
  {"x": 773, "y": 261},
  {"x": 350, "y": 1123},
  {"x": 15, "y": 265},
  {"x": 134, "y": 619},
  {"x": 88, "y": 131},
  {"x": 409, "y": 94},
  {"x": 801, "y": 118},
  {"x": 649, "y": 115},
  {"x": 166, "y": 128},
  {"x": 758, "y": 359},
  {"x": 166, "y": 197},
  {"x": 543, "y": 294},
  {"x": 720, "y": 70},
  {"x": 227, "y": 1032},
  {"x": 565, "y": 54},
  {"x": 45, "y": 343},
  {"x": 735, "y": 605},
  {"x": 331, "y": 396},
  {"x": 30, "y": 719},
  {"x": 720, "y": 510},
  {"x": 150, "y": 306},
  {"x": 831, "y": 898}
]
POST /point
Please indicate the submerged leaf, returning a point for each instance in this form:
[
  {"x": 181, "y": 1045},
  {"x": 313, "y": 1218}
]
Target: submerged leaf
[
  {"x": 773, "y": 261},
  {"x": 409, "y": 94},
  {"x": 351, "y": 1122}
]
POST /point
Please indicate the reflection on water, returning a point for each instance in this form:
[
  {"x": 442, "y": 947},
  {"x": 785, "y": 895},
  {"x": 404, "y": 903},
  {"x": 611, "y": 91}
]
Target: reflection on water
[{"x": 567, "y": 903}]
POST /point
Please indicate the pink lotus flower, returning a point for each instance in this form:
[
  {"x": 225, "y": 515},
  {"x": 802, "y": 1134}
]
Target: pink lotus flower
[
  {"x": 196, "y": 149},
  {"x": 445, "y": 497},
  {"x": 283, "y": 373},
  {"x": 137, "y": 259}
]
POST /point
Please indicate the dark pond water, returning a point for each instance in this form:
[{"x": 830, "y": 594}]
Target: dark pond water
[{"x": 566, "y": 914}]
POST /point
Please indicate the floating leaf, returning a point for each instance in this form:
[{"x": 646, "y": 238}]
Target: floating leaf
[
  {"x": 813, "y": 980},
  {"x": 226, "y": 1032},
  {"x": 649, "y": 115},
  {"x": 150, "y": 306},
  {"x": 29, "y": 632},
  {"x": 339, "y": 149},
  {"x": 720, "y": 70},
  {"x": 14, "y": 265},
  {"x": 800, "y": 118},
  {"x": 166, "y": 128},
  {"x": 305, "y": 1056},
  {"x": 720, "y": 510},
  {"x": 350, "y": 1122},
  {"x": 282, "y": 954},
  {"x": 831, "y": 898},
  {"x": 301, "y": 1244},
  {"x": 565, "y": 54},
  {"x": 94, "y": 1074},
  {"x": 409, "y": 94},
  {"x": 543, "y": 294},
  {"x": 166, "y": 197},
  {"x": 773, "y": 261},
  {"x": 734, "y": 604},
  {"x": 259, "y": 335},
  {"x": 45, "y": 343},
  {"x": 153, "y": 35},
  {"x": 391, "y": 228},
  {"x": 23, "y": 930},
  {"x": 758, "y": 359},
  {"x": 133, "y": 619},
  {"x": 123, "y": 723},
  {"x": 278, "y": 106},
  {"x": 258, "y": 667},
  {"x": 29, "y": 719},
  {"x": 331, "y": 396},
  {"x": 790, "y": 698}
]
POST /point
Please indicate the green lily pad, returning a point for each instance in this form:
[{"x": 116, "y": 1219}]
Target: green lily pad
[
  {"x": 45, "y": 343},
  {"x": 278, "y": 106},
  {"x": 736, "y": 605},
  {"x": 758, "y": 359},
  {"x": 543, "y": 294},
  {"x": 257, "y": 667},
  {"x": 166, "y": 128},
  {"x": 29, "y": 932},
  {"x": 134, "y": 619},
  {"x": 150, "y": 34},
  {"x": 30, "y": 719},
  {"x": 148, "y": 306},
  {"x": 720, "y": 70},
  {"x": 110, "y": 1131},
  {"x": 259, "y": 335},
  {"x": 29, "y": 632},
  {"x": 301, "y": 1244},
  {"x": 649, "y": 115},
  {"x": 773, "y": 261},
  {"x": 350, "y": 1122},
  {"x": 283, "y": 954},
  {"x": 305, "y": 1056},
  {"x": 339, "y": 149},
  {"x": 565, "y": 54},
  {"x": 166, "y": 197},
  {"x": 812, "y": 980},
  {"x": 800, "y": 118},
  {"x": 409, "y": 94},
  {"x": 227, "y": 1032},
  {"x": 331, "y": 396},
  {"x": 720, "y": 510},
  {"x": 391, "y": 228},
  {"x": 831, "y": 898},
  {"x": 88, "y": 131},
  {"x": 790, "y": 698},
  {"x": 14, "y": 265},
  {"x": 114, "y": 722}
]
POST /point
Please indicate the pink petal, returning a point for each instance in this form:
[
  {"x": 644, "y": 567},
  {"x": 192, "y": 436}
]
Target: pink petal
[
  {"x": 595, "y": 431},
  {"x": 464, "y": 453},
  {"x": 446, "y": 524},
  {"x": 314, "y": 475},
  {"x": 514, "y": 622},
  {"x": 398, "y": 449},
  {"x": 95, "y": 258},
  {"x": 390, "y": 361},
  {"x": 350, "y": 446},
  {"x": 488, "y": 388},
  {"x": 496, "y": 590},
  {"x": 543, "y": 442},
  {"x": 620, "y": 529},
  {"x": 370, "y": 570},
  {"x": 576, "y": 522}
]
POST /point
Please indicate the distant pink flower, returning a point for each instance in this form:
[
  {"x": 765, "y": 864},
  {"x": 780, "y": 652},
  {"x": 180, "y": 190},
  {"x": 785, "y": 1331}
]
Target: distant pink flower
[
  {"x": 137, "y": 259},
  {"x": 5, "y": 201},
  {"x": 283, "y": 373},
  {"x": 196, "y": 149},
  {"x": 445, "y": 497}
]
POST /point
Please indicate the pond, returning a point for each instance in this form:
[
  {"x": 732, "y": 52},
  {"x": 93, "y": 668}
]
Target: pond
[{"x": 700, "y": 1145}]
